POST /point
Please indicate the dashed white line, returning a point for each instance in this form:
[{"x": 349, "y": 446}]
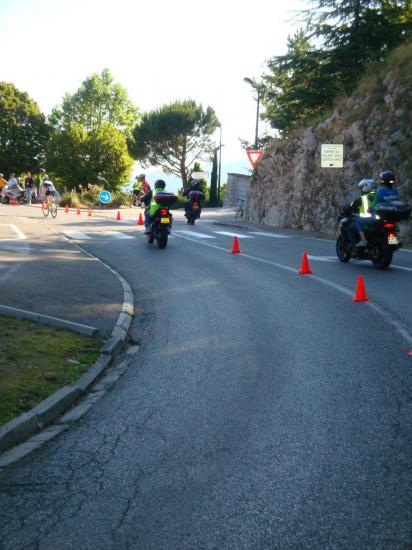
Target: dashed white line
[
  {"x": 195, "y": 234},
  {"x": 274, "y": 235},
  {"x": 77, "y": 235},
  {"x": 116, "y": 234},
  {"x": 229, "y": 234}
]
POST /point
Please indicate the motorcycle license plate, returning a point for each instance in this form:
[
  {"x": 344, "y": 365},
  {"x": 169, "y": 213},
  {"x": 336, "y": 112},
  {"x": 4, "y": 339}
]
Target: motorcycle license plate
[
  {"x": 392, "y": 240},
  {"x": 165, "y": 220}
]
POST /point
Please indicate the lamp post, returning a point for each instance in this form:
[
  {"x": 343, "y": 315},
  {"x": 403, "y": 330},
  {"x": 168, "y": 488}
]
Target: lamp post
[
  {"x": 220, "y": 165},
  {"x": 257, "y": 88}
]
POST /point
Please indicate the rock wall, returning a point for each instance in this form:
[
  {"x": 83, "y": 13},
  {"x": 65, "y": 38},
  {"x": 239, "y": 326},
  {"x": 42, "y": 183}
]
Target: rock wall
[{"x": 290, "y": 189}]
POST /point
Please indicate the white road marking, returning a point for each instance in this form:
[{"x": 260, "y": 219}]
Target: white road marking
[
  {"x": 195, "y": 234},
  {"x": 405, "y": 250},
  {"x": 316, "y": 239},
  {"x": 116, "y": 234},
  {"x": 77, "y": 235},
  {"x": 402, "y": 267},
  {"x": 229, "y": 234},
  {"x": 274, "y": 235},
  {"x": 21, "y": 236},
  {"x": 322, "y": 258}
]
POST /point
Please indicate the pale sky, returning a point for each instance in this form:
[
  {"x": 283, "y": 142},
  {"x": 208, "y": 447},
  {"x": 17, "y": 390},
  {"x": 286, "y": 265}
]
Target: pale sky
[{"x": 158, "y": 50}]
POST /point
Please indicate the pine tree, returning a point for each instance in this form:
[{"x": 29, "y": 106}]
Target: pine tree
[{"x": 213, "y": 182}]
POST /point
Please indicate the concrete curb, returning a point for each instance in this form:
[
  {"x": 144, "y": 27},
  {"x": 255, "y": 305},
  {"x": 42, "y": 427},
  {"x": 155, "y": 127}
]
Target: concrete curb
[
  {"x": 48, "y": 320},
  {"x": 17, "y": 431}
]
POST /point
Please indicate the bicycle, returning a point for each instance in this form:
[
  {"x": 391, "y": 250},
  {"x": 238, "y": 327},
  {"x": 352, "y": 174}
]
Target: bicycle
[
  {"x": 239, "y": 211},
  {"x": 49, "y": 206}
]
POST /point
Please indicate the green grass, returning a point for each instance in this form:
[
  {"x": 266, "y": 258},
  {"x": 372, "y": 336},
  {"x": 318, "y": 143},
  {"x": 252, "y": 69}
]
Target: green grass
[{"x": 36, "y": 360}]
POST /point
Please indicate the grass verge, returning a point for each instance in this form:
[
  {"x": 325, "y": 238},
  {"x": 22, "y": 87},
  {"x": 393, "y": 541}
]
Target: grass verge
[{"x": 36, "y": 360}]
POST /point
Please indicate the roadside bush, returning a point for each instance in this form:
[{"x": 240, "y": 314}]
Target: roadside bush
[{"x": 69, "y": 198}]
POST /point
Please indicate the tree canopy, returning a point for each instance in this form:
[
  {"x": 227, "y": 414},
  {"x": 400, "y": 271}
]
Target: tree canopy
[
  {"x": 327, "y": 58},
  {"x": 89, "y": 133},
  {"x": 23, "y": 131},
  {"x": 174, "y": 136}
]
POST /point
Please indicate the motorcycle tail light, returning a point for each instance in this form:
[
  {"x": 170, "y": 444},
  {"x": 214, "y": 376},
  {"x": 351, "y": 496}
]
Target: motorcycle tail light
[
  {"x": 391, "y": 234},
  {"x": 164, "y": 212},
  {"x": 389, "y": 225}
]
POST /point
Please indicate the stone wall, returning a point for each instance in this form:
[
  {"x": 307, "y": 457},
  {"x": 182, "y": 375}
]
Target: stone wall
[{"x": 290, "y": 189}]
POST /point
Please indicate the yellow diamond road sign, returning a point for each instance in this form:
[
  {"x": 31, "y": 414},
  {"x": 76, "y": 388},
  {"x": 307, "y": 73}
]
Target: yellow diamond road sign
[{"x": 331, "y": 155}]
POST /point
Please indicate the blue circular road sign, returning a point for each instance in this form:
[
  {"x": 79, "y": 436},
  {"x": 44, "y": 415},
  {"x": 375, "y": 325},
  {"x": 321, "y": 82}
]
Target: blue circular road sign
[{"x": 105, "y": 197}]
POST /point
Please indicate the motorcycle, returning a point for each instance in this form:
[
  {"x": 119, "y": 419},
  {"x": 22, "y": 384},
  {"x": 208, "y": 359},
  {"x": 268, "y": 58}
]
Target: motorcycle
[
  {"x": 11, "y": 193},
  {"x": 194, "y": 207},
  {"x": 161, "y": 224},
  {"x": 381, "y": 233}
]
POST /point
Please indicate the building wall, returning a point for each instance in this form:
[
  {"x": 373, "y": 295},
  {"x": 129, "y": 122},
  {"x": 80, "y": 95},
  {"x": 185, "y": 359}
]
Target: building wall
[{"x": 236, "y": 190}]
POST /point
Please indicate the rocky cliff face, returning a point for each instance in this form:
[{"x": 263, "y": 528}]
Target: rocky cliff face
[{"x": 290, "y": 189}]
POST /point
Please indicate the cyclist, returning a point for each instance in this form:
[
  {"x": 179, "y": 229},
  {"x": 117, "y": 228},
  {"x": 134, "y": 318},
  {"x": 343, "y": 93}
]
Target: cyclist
[{"x": 48, "y": 187}]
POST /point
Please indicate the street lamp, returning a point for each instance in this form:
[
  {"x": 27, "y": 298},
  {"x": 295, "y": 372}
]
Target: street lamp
[
  {"x": 257, "y": 88},
  {"x": 220, "y": 164}
]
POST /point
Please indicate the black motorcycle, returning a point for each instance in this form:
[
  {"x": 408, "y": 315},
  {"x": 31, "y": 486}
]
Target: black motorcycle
[
  {"x": 194, "y": 206},
  {"x": 161, "y": 223},
  {"x": 381, "y": 234}
]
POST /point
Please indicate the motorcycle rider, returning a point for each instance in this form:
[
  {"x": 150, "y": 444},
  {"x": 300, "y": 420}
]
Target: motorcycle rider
[
  {"x": 195, "y": 189},
  {"x": 159, "y": 188},
  {"x": 48, "y": 187},
  {"x": 384, "y": 193},
  {"x": 363, "y": 205}
]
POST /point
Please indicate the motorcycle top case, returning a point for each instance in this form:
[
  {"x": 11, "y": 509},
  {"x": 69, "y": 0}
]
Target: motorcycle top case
[
  {"x": 197, "y": 195},
  {"x": 393, "y": 211},
  {"x": 165, "y": 199}
]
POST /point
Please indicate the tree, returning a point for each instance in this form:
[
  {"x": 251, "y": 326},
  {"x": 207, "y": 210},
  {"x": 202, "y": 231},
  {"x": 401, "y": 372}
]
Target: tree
[
  {"x": 299, "y": 86},
  {"x": 98, "y": 101},
  {"x": 356, "y": 32},
  {"x": 213, "y": 181},
  {"x": 76, "y": 156},
  {"x": 23, "y": 131},
  {"x": 89, "y": 133},
  {"x": 174, "y": 136}
]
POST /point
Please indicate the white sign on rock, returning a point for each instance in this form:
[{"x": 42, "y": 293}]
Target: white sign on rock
[{"x": 331, "y": 155}]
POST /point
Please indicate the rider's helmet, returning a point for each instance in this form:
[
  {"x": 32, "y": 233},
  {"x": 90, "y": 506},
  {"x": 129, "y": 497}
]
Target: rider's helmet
[
  {"x": 42, "y": 171},
  {"x": 387, "y": 178},
  {"x": 160, "y": 184},
  {"x": 367, "y": 185},
  {"x": 195, "y": 181},
  {"x": 45, "y": 178},
  {"x": 141, "y": 177}
]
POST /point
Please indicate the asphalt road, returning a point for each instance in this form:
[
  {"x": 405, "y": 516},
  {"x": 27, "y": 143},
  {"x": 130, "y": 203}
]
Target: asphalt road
[{"x": 264, "y": 409}]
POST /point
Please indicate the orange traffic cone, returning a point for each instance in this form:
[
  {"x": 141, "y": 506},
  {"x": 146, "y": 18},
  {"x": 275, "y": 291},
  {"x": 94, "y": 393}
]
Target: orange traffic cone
[
  {"x": 360, "y": 295},
  {"x": 235, "y": 246},
  {"x": 66, "y": 208},
  {"x": 140, "y": 221},
  {"x": 118, "y": 216},
  {"x": 90, "y": 212},
  {"x": 305, "y": 268},
  {"x": 78, "y": 210},
  {"x": 14, "y": 202}
]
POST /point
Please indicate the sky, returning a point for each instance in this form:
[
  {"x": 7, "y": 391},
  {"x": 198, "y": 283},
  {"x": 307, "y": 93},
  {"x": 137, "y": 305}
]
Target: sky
[{"x": 159, "y": 50}]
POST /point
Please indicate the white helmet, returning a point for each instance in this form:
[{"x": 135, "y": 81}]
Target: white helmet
[{"x": 367, "y": 185}]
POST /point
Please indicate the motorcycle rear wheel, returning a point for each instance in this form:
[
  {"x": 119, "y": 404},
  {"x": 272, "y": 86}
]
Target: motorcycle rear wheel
[
  {"x": 381, "y": 254},
  {"x": 162, "y": 240},
  {"x": 342, "y": 251}
]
